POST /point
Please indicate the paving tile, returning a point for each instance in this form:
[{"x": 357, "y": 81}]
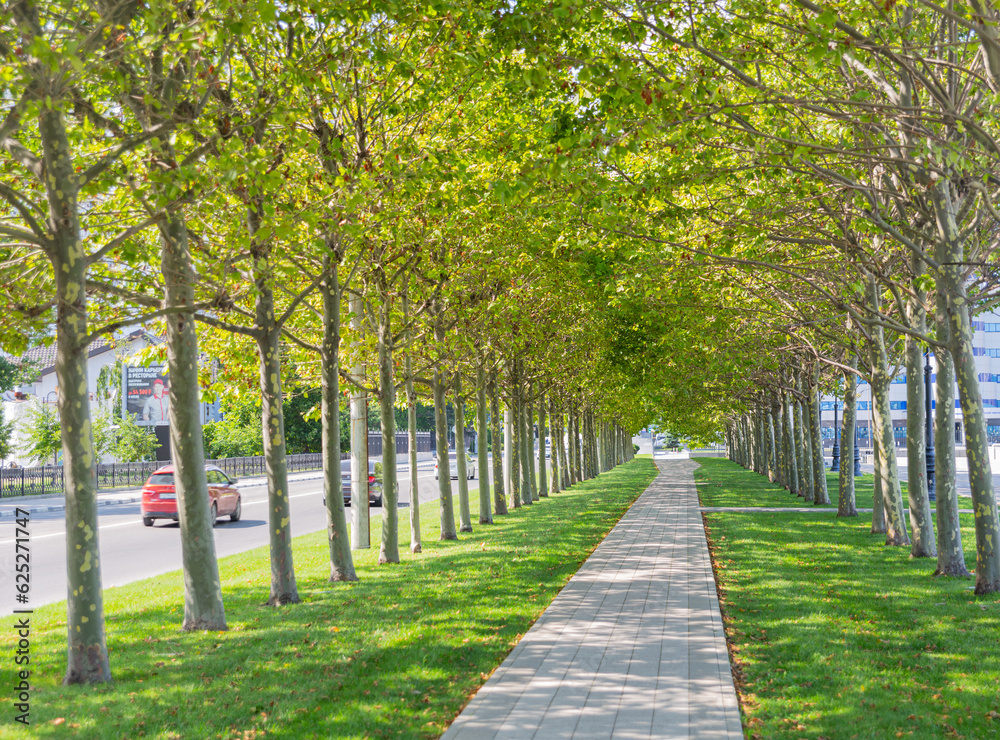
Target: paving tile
[{"x": 632, "y": 648}]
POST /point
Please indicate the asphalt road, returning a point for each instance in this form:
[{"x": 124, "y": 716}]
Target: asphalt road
[{"x": 131, "y": 551}]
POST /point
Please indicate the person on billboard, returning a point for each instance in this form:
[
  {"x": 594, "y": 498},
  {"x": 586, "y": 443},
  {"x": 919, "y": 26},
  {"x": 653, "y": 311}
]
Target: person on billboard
[{"x": 157, "y": 406}]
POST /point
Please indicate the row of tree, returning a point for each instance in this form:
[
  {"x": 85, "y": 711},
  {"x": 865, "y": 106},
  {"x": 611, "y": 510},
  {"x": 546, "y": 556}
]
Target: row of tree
[{"x": 289, "y": 177}]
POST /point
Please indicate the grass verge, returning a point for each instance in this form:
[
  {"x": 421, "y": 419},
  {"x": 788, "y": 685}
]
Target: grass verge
[
  {"x": 730, "y": 486},
  {"x": 397, "y": 654},
  {"x": 834, "y": 635}
]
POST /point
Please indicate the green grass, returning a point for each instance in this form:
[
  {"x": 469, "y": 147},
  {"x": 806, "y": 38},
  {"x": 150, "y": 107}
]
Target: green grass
[
  {"x": 835, "y": 635},
  {"x": 728, "y": 485},
  {"x": 397, "y": 654}
]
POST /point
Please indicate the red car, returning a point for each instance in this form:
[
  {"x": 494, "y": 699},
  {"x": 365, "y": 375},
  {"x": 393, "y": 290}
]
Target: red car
[{"x": 159, "y": 497}]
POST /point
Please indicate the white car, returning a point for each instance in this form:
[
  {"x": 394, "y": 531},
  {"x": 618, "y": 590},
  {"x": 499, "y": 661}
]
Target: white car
[{"x": 470, "y": 466}]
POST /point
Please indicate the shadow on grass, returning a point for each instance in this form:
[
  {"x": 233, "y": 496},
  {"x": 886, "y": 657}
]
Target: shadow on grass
[
  {"x": 835, "y": 635},
  {"x": 395, "y": 655}
]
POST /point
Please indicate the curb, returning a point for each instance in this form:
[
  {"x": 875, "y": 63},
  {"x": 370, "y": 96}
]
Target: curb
[{"x": 62, "y": 507}]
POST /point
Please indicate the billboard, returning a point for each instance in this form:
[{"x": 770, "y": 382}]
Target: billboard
[{"x": 146, "y": 395}]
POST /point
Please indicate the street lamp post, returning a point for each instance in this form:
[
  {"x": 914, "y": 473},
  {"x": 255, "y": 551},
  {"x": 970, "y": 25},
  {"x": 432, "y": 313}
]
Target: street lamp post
[
  {"x": 928, "y": 427},
  {"x": 835, "y": 463}
]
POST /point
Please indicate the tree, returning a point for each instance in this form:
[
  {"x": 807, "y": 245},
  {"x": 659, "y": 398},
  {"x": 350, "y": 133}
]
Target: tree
[{"x": 42, "y": 437}]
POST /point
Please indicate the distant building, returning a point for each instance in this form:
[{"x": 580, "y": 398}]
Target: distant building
[
  {"x": 102, "y": 353},
  {"x": 985, "y": 347}
]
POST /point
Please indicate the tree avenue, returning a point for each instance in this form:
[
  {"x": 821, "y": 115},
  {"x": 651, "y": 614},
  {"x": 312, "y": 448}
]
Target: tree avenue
[{"x": 564, "y": 221}]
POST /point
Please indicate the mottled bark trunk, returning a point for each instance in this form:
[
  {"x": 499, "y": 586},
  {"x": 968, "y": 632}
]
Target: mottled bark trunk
[
  {"x": 389, "y": 547},
  {"x": 820, "y": 495},
  {"x": 564, "y": 476},
  {"x": 887, "y": 470},
  {"x": 464, "y": 514},
  {"x": 283, "y": 587},
  {"x": 846, "y": 505},
  {"x": 878, "y": 498},
  {"x": 543, "y": 480},
  {"x": 482, "y": 449},
  {"x": 203, "y": 607},
  {"x": 772, "y": 448},
  {"x": 921, "y": 527},
  {"x": 554, "y": 446},
  {"x": 780, "y": 458},
  {"x": 524, "y": 439},
  {"x": 360, "y": 516},
  {"x": 528, "y": 409},
  {"x": 87, "y": 652},
  {"x": 341, "y": 562},
  {"x": 806, "y": 478},
  {"x": 499, "y": 448},
  {"x": 268, "y": 339},
  {"x": 950, "y": 253},
  {"x": 793, "y": 448},
  {"x": 951, "y": 556},
  {"x": 444, "y": 467},
  {"x": 980, "y": 475},
  {"x": 411, "y": 424},
  {"x": 511, "y": 455},
  {"x": 411, "y": 427}
]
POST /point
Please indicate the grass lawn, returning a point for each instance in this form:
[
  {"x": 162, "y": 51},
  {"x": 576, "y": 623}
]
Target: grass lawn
[
  {"x": 835, "y": 635},
  {"x": 730, "y": 486},
  {"x": 397, "y": 654}
]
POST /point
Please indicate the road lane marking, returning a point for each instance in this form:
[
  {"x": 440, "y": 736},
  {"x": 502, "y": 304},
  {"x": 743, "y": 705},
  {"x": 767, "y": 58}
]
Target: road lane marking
[{"x": 139, "y": 521}]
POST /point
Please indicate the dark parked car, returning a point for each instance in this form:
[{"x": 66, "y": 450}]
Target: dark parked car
[
  {"x": 159, "y": 496},
  {"x": 374, "y": 484}
]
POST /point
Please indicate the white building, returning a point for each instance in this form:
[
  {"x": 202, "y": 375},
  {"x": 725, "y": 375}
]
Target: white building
[
  {"x": 44, "y": 388},
  {"x": 986, "y": 348}
]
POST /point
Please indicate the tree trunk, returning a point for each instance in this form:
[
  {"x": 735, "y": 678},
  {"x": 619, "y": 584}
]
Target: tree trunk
[
  {"x": 283, "y": 588},
  {"x": 543, "y": 480},
  {"x": 411, "y": 424},
  {"x": 360, "y": 516},
  {"x": 951, "y": 557},
  {"x": 794, "y": 449},
  {"x": 554, "y": 447},
  {"x": 464, "y": 515},
  {"x": 950, "y": 253},
  {"x": 444, "y": 466},
  {"x": 820, "y": 494},
  {"x": 500, "y": 449},
  {"x": 772, "y": 448},
  {"x": 341, "y": 562},
  {"x": 87, "y": 651},
  {"x": 846, "y": 505},
  {"x": 482, "y": 449},
  {"x": 512, "y": 454},
  {"x": 525, "y": 439},
  {"x": 267, "y": 335},
  {"x": 921, "y": 527},
  {"x": 564, "y": 473},
  {"x": 807, "y": 478},
  {"x": 878, "y": 498},
  {"x": 389, "y": 548},
  {"x": 887, "y": 470},
  {"x": 780, "y": 458},
  {"x": 528, "y": 407},
  {"x": 203, "y": 607}
]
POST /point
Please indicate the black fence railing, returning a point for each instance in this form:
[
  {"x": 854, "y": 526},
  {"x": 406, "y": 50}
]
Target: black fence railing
[
  {"x": 49, "y": 479},
  {"x": 424, "y": 443}
]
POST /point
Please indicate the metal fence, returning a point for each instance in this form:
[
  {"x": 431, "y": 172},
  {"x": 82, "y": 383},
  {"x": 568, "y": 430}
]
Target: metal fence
[
  {"x": 424, "y": 443},
  {"x": 49, "y": 479}
]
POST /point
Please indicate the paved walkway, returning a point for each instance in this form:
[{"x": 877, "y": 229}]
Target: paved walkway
[{"x": 632, "y": 647}]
